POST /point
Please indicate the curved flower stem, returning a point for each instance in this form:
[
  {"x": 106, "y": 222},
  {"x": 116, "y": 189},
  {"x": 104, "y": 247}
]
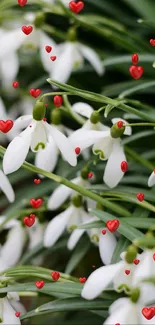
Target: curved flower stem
[
  {"x": 54, "y": 94},
  {"x": 61, "y": 180},
  {"x": 76, "y": 117}
]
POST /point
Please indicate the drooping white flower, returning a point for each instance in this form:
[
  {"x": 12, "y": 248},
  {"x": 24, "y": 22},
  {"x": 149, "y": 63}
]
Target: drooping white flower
[
  {"x": 36, "y": 136},
  {"x": 124, "y": 311},
  {"x": 7, "y": 313},
  {"x": 106, "y": 147},
  {"x": 99, "y": 280},
  {"x": 71, "y": 55},
  {"x": 6, "y": 187}
]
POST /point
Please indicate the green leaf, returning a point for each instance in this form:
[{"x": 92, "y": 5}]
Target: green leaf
[
  {"x": 137, "y": 136},
  {"x": 143, "y": 8},
  {"x": 136, "y": 88},
  {"x": 121, "y": 246},
  {"x": 124, "y": 228},
  {"x": 79, "y": 252}
]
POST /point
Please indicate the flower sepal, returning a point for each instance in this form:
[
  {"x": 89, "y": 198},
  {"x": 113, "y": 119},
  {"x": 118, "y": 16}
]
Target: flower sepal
[
  {"x": 131, "y": 254},
  {"x": 95, "y": 118},
  {"x": 56, "y": 117},
  {"x": 116, "y": 131},
  {"x": 39, "y": 111},
  {"x": 77, "y": 201},
  {"x": 135, "y": 294}
]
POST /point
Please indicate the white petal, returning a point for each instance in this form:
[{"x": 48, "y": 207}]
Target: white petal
[
  {"x": 13, "y": 296},
  {"x": 63, "y": 66},
  {"x": 146, "y": 267},
  {"x": 9, "y": 66},
  {"x": 12, "y": 249},
  {"x": 11, "y": 41},
  {"x": 85, "y": 138},
  {"x": 128, "y": 129},
  {"x": 76, "y": 218},
  {"x": 47, "y": 159},
  {"x": 117, "y": 304},
  {"x": 18, "y": 306},
  {"x": 122, "y": 277},
  {"x": 9, "y": 224},
  {"x": 99, "y": 280},
  {"x": 151, "y": 180},
  {"x": 9, "y": 317},
  {"x": 113, "y": 173},
  {"x": 60, "y": 195},
  {"x": 107, "y": 244},
  {"x": 126, "y": 315},
  {"x": 22, "y": 121},
  {"x": 6, "y": 187},
  {"x": 63, "y": 144},
  {"x": 56, "y": 227},
  {"x": 45, "y": 57},
  {"x": 103, "y": 147},
  {"x": 39, "y": 137},
  {"x": 74, "y": 238},
  {"x": 17, "y": 151},
  {"x": 83, "y": 109},
  {"x": 147, "y": 293},
  {"x": 93, "y": 58},
  {"x": 3, "y": 113}
]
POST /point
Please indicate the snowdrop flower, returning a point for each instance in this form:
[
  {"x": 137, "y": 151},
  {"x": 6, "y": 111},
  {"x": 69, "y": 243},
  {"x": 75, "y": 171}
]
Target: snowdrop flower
[
  {"x": 107, "y": 147},
  {"x": 6, "y": 187},
  {"x": 124, "y": 311},
  {"x": 12, "y": 249},
  {"x": 7, "y": 313},
  {"x": 146, "y": 267},
  {"x": 36, "y": 136},
  {"x": 102, "y": 277}
]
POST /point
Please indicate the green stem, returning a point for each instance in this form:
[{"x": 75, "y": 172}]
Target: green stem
[
  {"x": 58, "y": 179},
  {"x": 140, "y": 124},
  {"x": 54, "y": 94},
  {"x": 76, "y": 117}
]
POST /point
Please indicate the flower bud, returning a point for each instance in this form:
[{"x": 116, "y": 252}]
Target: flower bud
[
  {"x": 135, "y": 294},
  {"x": 56, "y": 117},
  {"x": 131, "y": 254},
  {"x": 117, "y": 132},
  {"x": 39, "y": 111},
  {"x": 95, "y": 117},
  {"x": 84, "y": 173},
  {"x": 77, "y": 201},
  {"x": 39, "y": 19},
  {"x": 72, "y": 35}
]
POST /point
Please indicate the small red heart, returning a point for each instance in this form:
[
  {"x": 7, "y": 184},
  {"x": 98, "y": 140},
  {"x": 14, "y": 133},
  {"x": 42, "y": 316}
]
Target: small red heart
[
  {"x": 22, "y": 3},
  {"x": 90, "y": 175},
  {"x": 29, "y": 221},
  {"x": 35, "y": 92},
  {"x": 112, "y": 225},
  {"x": 48, "y": 48},
  {"x": 27, "y": 29},
  {"x": 76, "y": 7},
  {"x": 6, "y": 126},
  {"x": 37, "y": 181},
  {"x": 15, "y": 84},
  {"x": 136, "y": 72},
  {"x": 40, "y": 284},
  {"x": 152, "y": 42},
  {"x": 140, "y": 197},
  {"x": 127, "y": 272},
  {"x": 77, "y": 150},
  {"x": 135, "y": 58},
  {"x": 53, "y": 58},
  {"x": 36, "y": 203},
  {"x": 148, "y": 313},
  {"x": 104, "y": 231},
  {"x": 55, "y": 276},
  {"x": 82, "y": 280},
  {"x": 153, "y": 256},
  {"x": 124, "y": 166},
  {"x": 136, "y": 261},
  {"x": 17, "y": 314}
]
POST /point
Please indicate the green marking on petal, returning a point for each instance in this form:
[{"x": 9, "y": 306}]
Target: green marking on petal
[
  {"x": 72, "y": 227},
  {"x": 125, "y": 288},
  {"x": 95, "y": 239},
  {"x": 100, "y": 153},
  {"x": 76, "y": 65},
  {"x": 40, "y": 144}
]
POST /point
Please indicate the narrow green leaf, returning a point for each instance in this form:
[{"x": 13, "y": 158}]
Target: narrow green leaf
[
  {"x": 121, "y": 246},
  {"x": 136, "y": 88},
  {"x": 137, "y": 136}
]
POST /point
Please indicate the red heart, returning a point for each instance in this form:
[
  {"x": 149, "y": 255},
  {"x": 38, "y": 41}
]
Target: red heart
[
  {"x": 29, "y": 221},
  {"x": 136, "y": 261},
  {"x": 112, "y": 225},
  {"x": 82, "y": 280},
  {"x": 136, "y": 72},
  {"x": 152, "y": 42},
  {"x": 17, "y": 314},
  {"x": 37, "y": 181},
  {"x": 22, "y": 3},
  {"x": 6, "y": 126},
  {"x": 15, "y": 84},
  {"x": 104, "y": 231},
  {"x": 36, "y": 203},
  {"x": 55, "y": 276},
  {"x": 35, "y": 92},
  {"x": 27, "y": 29},
  {"x": 124, "y": 166},
  {"x": 140, "y": 197},
  {"x": 134, "y": 58},
  {"x": 76, "y": 7},
  {"x": 53, "y": 58},
  {"x": 148, "y": 313},
  {"x": 48, "y": 48},
  {"x": 127, "y": 272},
  {"x": 39, "y": 284}
]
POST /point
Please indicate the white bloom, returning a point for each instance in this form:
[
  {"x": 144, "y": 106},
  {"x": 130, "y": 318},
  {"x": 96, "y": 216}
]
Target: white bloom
[
  {"x": 6, "y": 187},
  {"x": 70, "y": 56},
  {"x": 102, "y": 277},
  {"x": 146, "y": 267},
  {"x": 68, "y": 219},
  {"x": 36, "y": 136},
  {"x": 105, "y": 146},
  {"x": 124, "y": 311},
  {"x": 7, "y": 313}
]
